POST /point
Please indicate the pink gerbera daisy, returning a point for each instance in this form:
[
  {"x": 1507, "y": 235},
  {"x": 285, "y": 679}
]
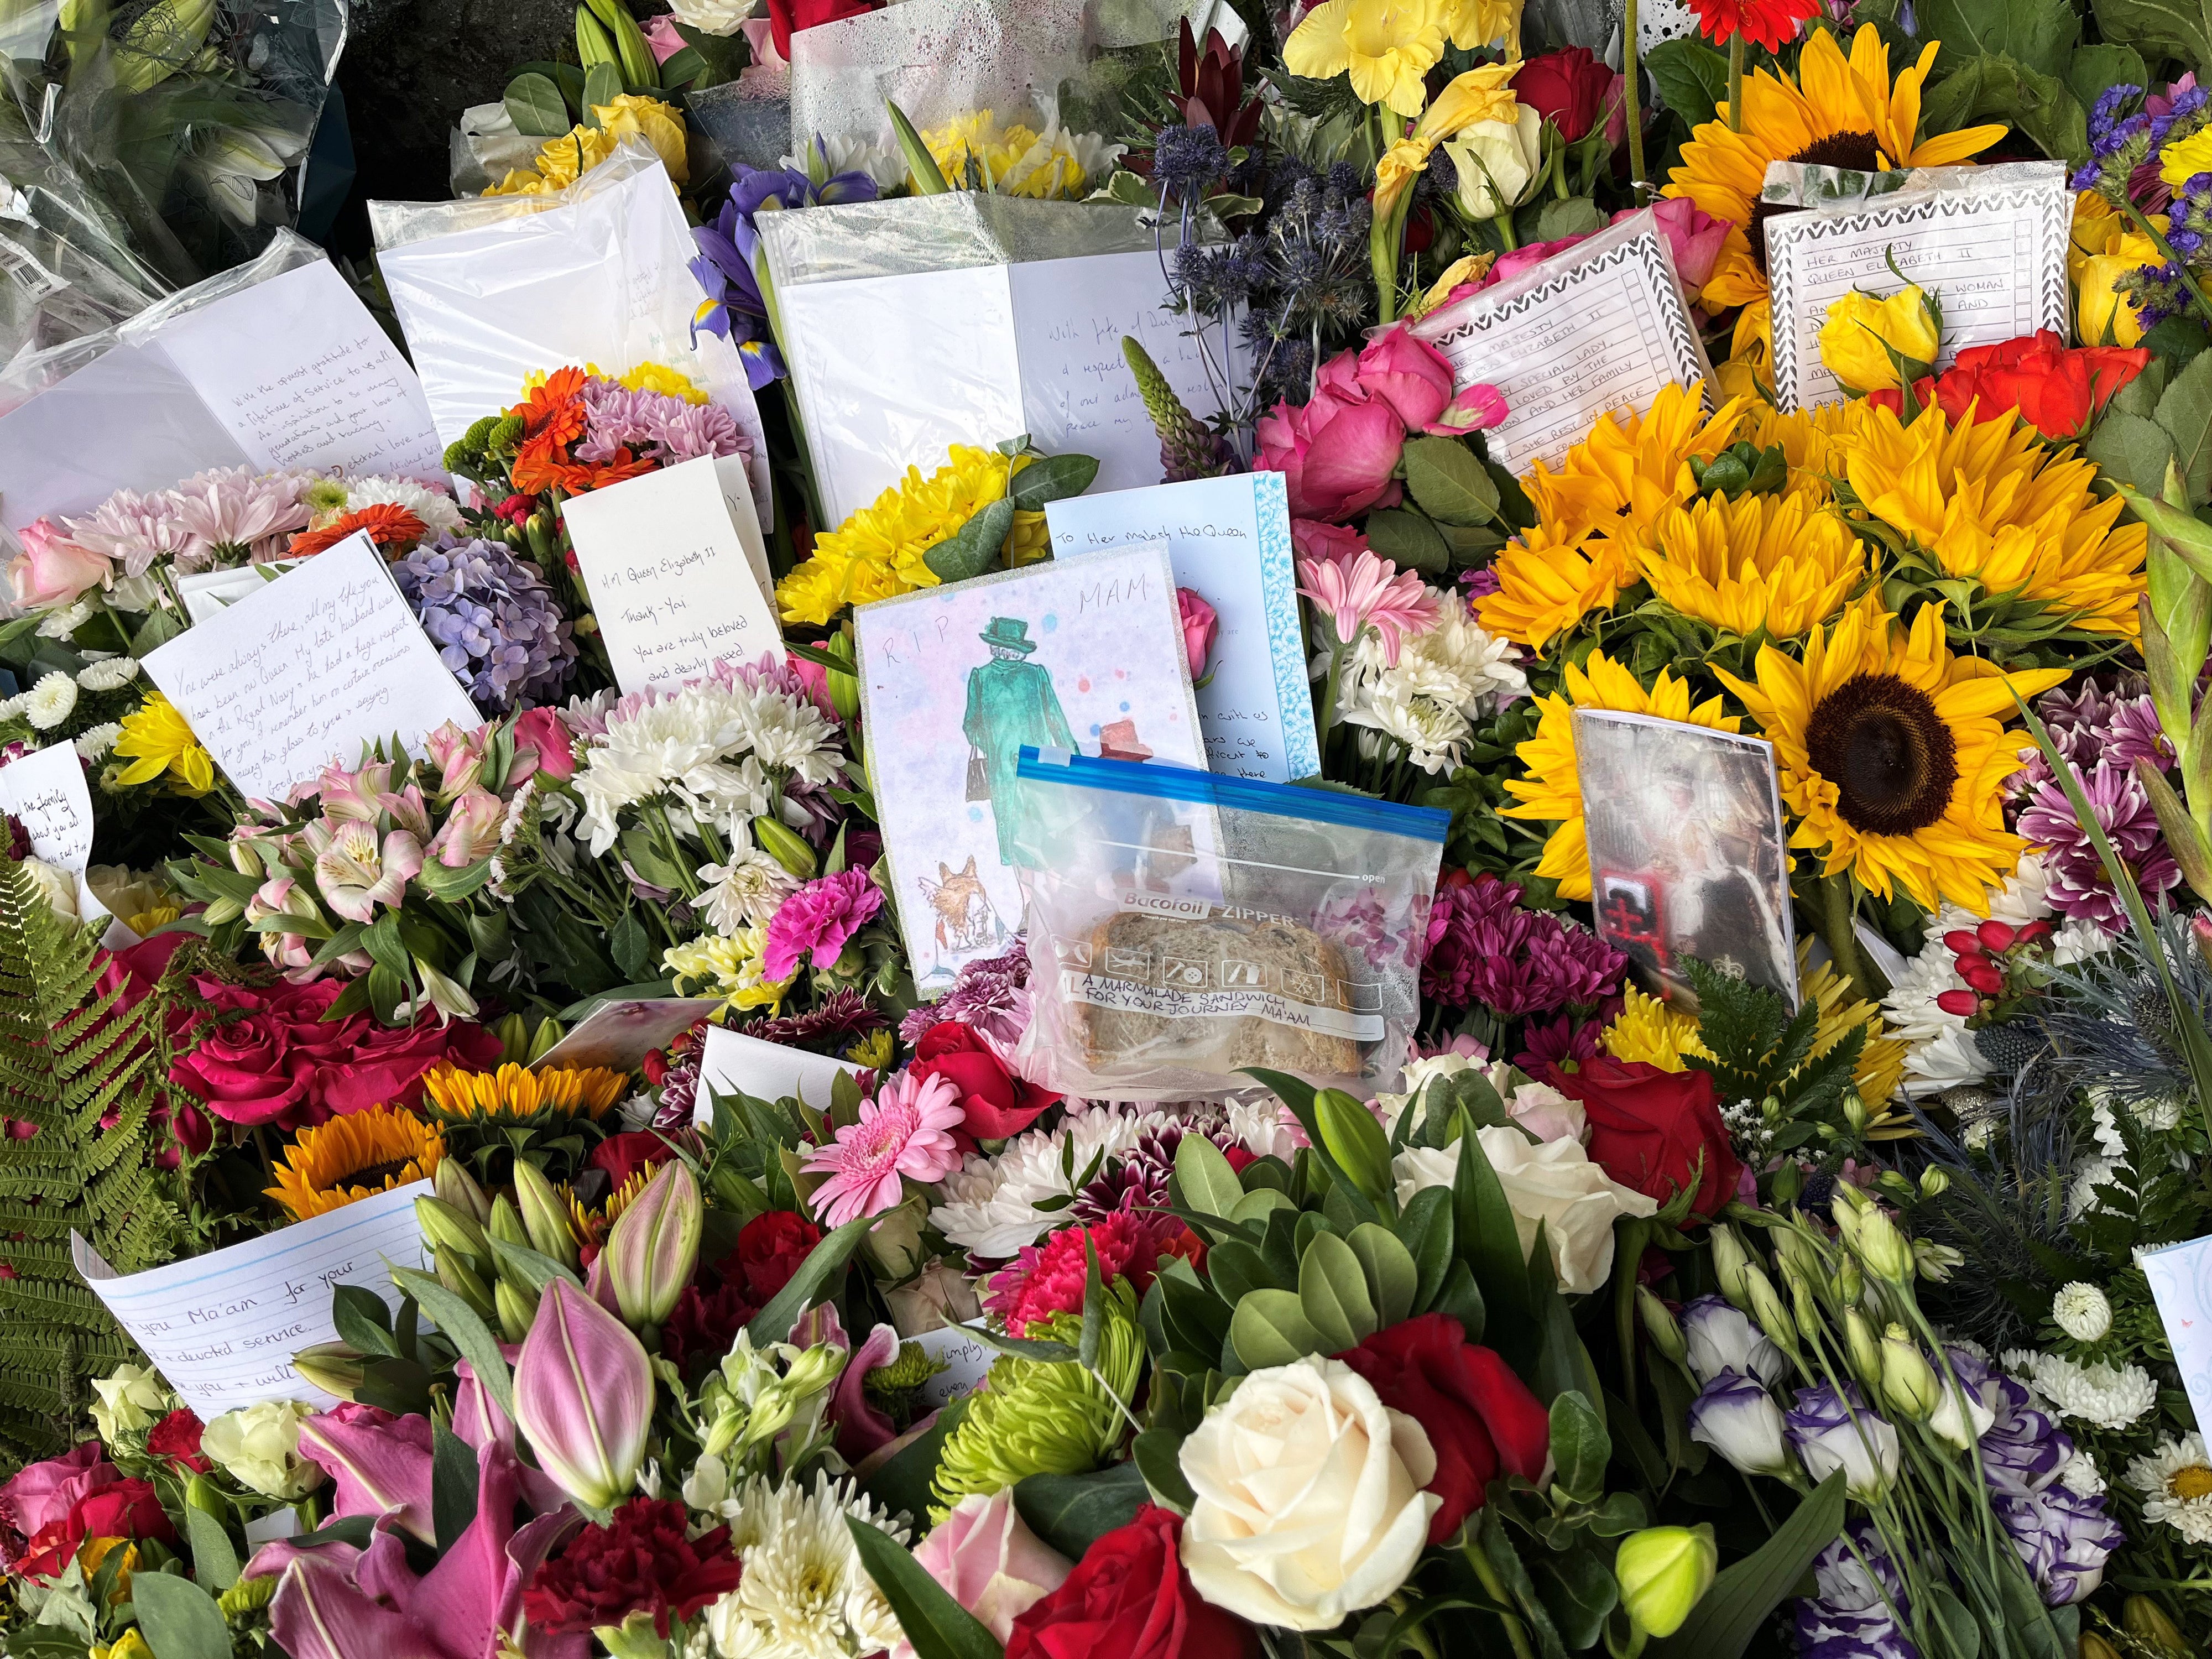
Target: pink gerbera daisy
[
  {"x": 1367, "y": 592},
  {"x": 906, "y": 1130}
]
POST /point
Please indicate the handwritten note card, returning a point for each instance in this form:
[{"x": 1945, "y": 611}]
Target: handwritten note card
[
  {"x": 1230, "y": 540},
  {"x": 731, "y": 1062},
  {"x": 325, "y": 659},
  {"x": 223, "y": 1327},
  {"x": 1991, "y": 240},
  {"x": 2181, "y": 1283},
  {"x": 669, "y": 575},
  {"x": 45, "y": 794},
  {"x": 1600, "y": 327},
  {"x": 300, "y": 373},
  {"x": 966, "y": 1358}
]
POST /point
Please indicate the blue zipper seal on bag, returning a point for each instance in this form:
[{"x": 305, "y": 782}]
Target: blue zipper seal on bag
[{"x": 1163, "y": 782}]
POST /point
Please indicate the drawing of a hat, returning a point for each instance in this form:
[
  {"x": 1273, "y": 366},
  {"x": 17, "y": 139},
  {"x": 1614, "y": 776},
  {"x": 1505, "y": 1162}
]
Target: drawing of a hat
[
  {"x": 1010, "y": 632},
  {"x": 1118, "y": 740}
]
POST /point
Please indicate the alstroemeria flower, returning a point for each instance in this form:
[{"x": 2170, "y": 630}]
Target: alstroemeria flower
[
  {"x": 354, "y": 874},
  {"x": 471, "y": 831}
]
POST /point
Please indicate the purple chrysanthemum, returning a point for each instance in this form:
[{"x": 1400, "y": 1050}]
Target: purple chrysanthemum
[
  {"x": 2079, "y": 886},
  {"x": 991, "y": 993},
  {"x": 1483, "y": 948},
  {"x": 494, "y": 620},
  {"x": 829, "y": 1028},
  {"x": 2119, "y": 725},
  {"x": 653, "y": 423}
]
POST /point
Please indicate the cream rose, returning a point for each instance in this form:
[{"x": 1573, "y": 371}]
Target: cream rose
[
  {"x": 260, "y": 1446},
  {"x": 1554, "y": 1183},
  {"x": 1310, "y": 1491}
]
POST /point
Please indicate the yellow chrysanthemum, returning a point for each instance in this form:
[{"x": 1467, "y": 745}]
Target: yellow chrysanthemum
[
  {"x": 1838, "y": 112},
  {"x": 1893, "y": 753},
  {"x": 1631, "y": 468},
  {"x": 353, "y": 1157},
  {"x": 157, "y": 740},
  {"x": 727, "y": 967},
  {"x": 1777, "y": 563},
  {"x": 658, "y": 377},
  {"x": 1552, "y": 790},
  {"x": 880, "y": 551},
  {"x": 1880, "y": 1069},
  {"x": 1987, "y": 499},
  {"x": 1387, "y": 45},
  {"x": 1647, "y": 1030},
  {"x": 516, "y": 1091}
]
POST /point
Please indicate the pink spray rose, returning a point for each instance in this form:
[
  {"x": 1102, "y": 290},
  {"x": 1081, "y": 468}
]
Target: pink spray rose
[
  {"x": 543, "y": 730},
  {"x": 1693, "y": 237},
  {"x": 1198, "y": 623},
  {"x": 53, "y": 570},
  {"x": 661, "y": 38},
  {"x": 990, "y": 1562},
  {"x": 1336, "y": 453},
  {"x": 1523, "y": 259},
  {"x": 1415, "y": 379},
  {"x": 1314, "y": 540}
]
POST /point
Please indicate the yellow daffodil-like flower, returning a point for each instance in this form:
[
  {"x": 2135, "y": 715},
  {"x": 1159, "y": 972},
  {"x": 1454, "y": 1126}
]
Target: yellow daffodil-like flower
[
  {"x": 1546, "y": 586},
  {"x": 1480, "y": 94},
  {"x": 2105, "y": 248},
  {"x": 1864, "y": 339},
  {"x": 1471, "y": 25},
  {"x": 1389, "y": 46},
  {"x": 1881, "y": 1065},
  {"x": 880, "y": 551},
  {"x": 973, "y": 152},
  {"x": 1987, "y": 499},
  {"x": 516, "y": 1091},
  {"x": 158, "y": 742},
  {"x": 353, "y": 1157},
  {"x": 1894, "y": 755},
  {"x": 1647, "y": 1030},
  {"x": 727, "y": 967},
  {"x": 1838, "y": 112},
  {"x": 1771, "y": 563},
  {"x": 1631, "y": 468},
  {"x": 1552, "y": 790}
]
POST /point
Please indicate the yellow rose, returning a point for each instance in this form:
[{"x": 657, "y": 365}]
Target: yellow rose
[
  {"x": 562, "y": 161},
  {"x": 630, "y": 116},
  {"x": 1863, "y": 332}
]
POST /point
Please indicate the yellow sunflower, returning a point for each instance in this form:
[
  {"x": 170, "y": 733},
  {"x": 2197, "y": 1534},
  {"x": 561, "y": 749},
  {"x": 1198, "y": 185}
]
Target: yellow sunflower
[
  {"x": 1779, "y": 563},
  {"x": 1647, "y": 1030},
  {"x": 1546, "y": 586},
  {"x": 353, "y": 1157},
  {"x": 1632, "y": 467},
  {"x": 1881, "y": 1066},
  {"x": 516, "y": 1091},
  {"x": 1989, "y": 499},
  {"x": 1892, "y": 754},
  {"x": 1553, "y": 791}
]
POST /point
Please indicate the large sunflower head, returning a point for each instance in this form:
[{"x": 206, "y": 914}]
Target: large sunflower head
[
  {"x": 1631, "y": 466},
  {"x": 1546, "y": 586},
  {"x": 1770, "y": 564},
  {"x": 353, "y": 1157},
  {"x": 1986, "y": 500},
  {"x": 1552, "y": 790},
  {"x": 520, "y": 1095},
  {"x": 1894, "y": 755}
]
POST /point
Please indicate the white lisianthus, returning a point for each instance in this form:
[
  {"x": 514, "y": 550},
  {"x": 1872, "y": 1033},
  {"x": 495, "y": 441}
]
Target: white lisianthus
[
  {"x": 259, "y": 1445},
  {"x": 2082, "y": 1311},
  {"x": 1310, "y": 1500}
]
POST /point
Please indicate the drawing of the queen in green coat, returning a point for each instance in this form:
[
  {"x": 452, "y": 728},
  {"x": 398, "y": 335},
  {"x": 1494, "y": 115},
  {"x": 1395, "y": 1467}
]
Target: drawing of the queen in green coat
[{"x": 1011, "y": 701}]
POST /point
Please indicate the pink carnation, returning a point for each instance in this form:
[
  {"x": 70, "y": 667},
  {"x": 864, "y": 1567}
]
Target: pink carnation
[
  {"x": 817, "y": 920},
  {"x": 1042, "y": 1282},
  {"x": 906, "y": 1130}
]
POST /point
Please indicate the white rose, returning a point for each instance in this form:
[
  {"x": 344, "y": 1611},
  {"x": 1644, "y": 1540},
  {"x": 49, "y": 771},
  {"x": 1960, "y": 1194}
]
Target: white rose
[
  {"x": 56, "y": 885},
  {"x": 1310, "y": 1491},
  {"x": 1496, "y": 161},
  {"x": 260, "y": 1446},
  {"x": 1554, "y": 1183},
  {"x": 1547, "y": 1114}
]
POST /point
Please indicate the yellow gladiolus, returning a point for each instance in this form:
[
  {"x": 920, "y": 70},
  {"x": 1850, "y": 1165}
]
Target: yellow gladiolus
[{"x": 1862, "y": 332}]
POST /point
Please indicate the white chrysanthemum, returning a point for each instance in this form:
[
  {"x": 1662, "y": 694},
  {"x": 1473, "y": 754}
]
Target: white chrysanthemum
[
  {"x": 883, "y": 164},
  {"x": 2078, "y": 940},
  {"x": 2089, "y": 1174},
  {"x": 790, "y": 734},
  {"x": 805, "y": 1594},
  {"x": 109, "y": 674},
  {"x": 1431, "y": 731},
  {"x": 2080, "y": 1475},
  {"x": 2082, "y": 1311},
  {"x": 93, "y": 745},
  {"x": 438, "y": 511},
  {"x": 1264, "y": 1127},
  {"x": 2106, "y": 1396},
  {"x": 2020, "y": 901},
  {"x": 1453, "y": 662},
  {"x": 49, "y": 700},
  {"x": 2176, "y": 1481},
  {"x": 1910, "y": 1008},
  {"x": 1945, "y": 1061},
  {"x": 747, "y": 891},
  {"x": 991, "y": 1203},
  {"x": 60, "y": 624},
  {"x": 674, "y": 745}
]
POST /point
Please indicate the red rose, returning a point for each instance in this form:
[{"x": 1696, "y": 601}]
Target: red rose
[
  {"x": 129, "y": 1509},
  {"x": 386, "y": 1065},
  {"x": 1569, "y": 86},
  {"x": 177, "y": 1438},
  {"x": 786, "y": 17},
  {"x": 770, "y": 1249},
  {"x": 2055, "y": 391},
  {"x": 625, "y": 1155},
  {"x": 1129, "y": 1597},
  {"x": 1658, "y": 1131},
  {"x": 997, "y": 1104},
  {"x": 42, "y": 1494},
  {"x": 1481, "y": 1420}
]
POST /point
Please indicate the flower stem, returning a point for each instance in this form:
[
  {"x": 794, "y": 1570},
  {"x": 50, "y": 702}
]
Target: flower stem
[
  {"x": 1329, "y": 689},
  {"x": 1631, "y": 97},
  {"x": 2158, "y": 241},
  {"x": 1839, "y": 913},
  {"x": 1735, "y": 81},
  {"x": 1496, "y": 1586},
  {"x": 1504, "y": 221}
]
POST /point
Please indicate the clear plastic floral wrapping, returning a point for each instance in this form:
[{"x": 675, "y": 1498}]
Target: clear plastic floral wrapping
[{"x": 1184, "y": 927}]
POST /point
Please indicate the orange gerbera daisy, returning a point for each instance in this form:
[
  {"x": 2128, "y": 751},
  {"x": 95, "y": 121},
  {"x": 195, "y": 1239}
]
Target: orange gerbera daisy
[
  {"x": 555, "y": 407},
  {"x": 388, "y": 524}
]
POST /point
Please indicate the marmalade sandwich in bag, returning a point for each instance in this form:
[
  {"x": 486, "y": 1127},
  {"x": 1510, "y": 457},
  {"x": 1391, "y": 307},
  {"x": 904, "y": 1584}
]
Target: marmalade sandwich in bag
[{"x": 1184, "y": 927}]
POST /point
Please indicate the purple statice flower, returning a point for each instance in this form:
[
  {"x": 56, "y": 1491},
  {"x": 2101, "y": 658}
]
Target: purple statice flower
[
  {"x": 990, "y": 993},
  {"x": 2119, "y": 139},
  {"x": 493, "y": 618},
  {"x": 666, "y": 428},
  {"x": 2063, "y": 1537},
  {"x": 1484, "y": 948},
  {"x": 2079, "y": 886},
  {"x": 1851, "y": 1615}
]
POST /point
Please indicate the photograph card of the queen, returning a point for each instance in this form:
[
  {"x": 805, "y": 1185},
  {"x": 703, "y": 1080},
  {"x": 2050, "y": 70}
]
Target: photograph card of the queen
[
  {"x": 1686, "y": 856},
  {"x": 1082, "y": 654}
]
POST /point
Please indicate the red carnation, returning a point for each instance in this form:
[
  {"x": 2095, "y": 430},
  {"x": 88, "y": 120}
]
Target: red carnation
[
  {"x": 177, "y": 1438},
  {"x": 640, "y": 1562},
  {"x": 770, "y": 1249}
]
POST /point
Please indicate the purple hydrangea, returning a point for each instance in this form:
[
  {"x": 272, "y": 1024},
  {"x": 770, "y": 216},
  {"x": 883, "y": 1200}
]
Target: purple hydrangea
[
  {"x": 494, "y": 620},
  {"x": 1484, "y": 948},
  {"x": 1851, "y": 1616}
]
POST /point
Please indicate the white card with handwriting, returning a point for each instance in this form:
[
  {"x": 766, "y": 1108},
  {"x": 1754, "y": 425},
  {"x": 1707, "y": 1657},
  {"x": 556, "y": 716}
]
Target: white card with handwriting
[
  {"x": 670, "y": 576},
  {"x": 1600, "y": 327},
  {"x": 2181, "y": 1277},
  {"x": 1230, "y": 542},
  {"x": 45, "y": 794},
  {"x": 223, "y": 1327},
  {"x": 322, "y": 660},
  {"x": 967, "y": 1357},
  {"x": 731, "y": 1062}
]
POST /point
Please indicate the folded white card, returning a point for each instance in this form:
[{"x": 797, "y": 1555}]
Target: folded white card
[
  {"x": 731, "y": 1062},
  {"x": 619, "y": 1035},
  {"x": 46, "y": 793},
  {"x": 1230, "y": 542},
  {"x": 303, "y": 673},
  {"x": 205, "y": 593},
  {"x": 2181, "y": 1277},
  {"x": 1600, "y": 327},
  {"x": 1991, "y": 241},
  {"x": 967, "y": 1357},
  {"x": 671, "y": 575},
  {"x": 223, "y": 1327}
]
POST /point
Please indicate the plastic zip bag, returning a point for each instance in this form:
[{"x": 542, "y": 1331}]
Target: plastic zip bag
[{"x": 1184, "y": 927}]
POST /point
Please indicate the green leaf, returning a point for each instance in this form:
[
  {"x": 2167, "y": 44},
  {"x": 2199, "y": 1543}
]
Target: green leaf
[
  {"x": 1052, "y": 478},
  {"x": 815, "y": 1281},
  {"x": 452, "y": 1486},
  {"x": 602, "y": 86},
  {"x": 632, "y": 947},
  {"x": 1408, "y": 540},
  {"x": 1071, "y": 1512},
  {"x": 1333, "y": 1293},
  {"x": 902, "y": 1480},
  {"x": 467, "y": 1333},
  {"x": 1392, "y": 1275},
  {"x": 1578, "y": 1590},
  {"x": 1425, "y": 1227},
  {"x": 2001, "y": 86},
  {"x": 928, "y": 178},
  {"x": 2036, "y": 36},
  {"x": 179, "y": 1620},
  {"x": 1489, "y": 1241},
  {"x": 534, "y": 104},
  {"x": 1270, "y": 1328},
  {"x": 1203, "y": 1180},
  {"x": 1580, "y": 1447},
  {"x": 974, "y": 548},
  {"x": 682, "y": 67},
  {"x": 363, "y": 1322},
  {"x": 1692, "y": 78},
  {"x": 939, "y": 1626},
  {"x": 1356, "y": 1142},
  {"x": 2132, "y": 450},
  {"x": 2186, "y": 412},
  {"x": 215, "y": 1558},
  {"x": 1577, "y": 215},
  {"x": 2157, "y": 28},
  {"x": 1721, "y": 1626},
  {"x": 1157, "y": 1454},
  {"x": 2093, "y": 70},
  {"x": 521, "y": 1262},
  {"x": 1448, "y": 482}
]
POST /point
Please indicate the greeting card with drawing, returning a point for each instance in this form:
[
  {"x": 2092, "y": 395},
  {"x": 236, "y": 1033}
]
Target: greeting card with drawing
[{"x": 1086, "y": 653}]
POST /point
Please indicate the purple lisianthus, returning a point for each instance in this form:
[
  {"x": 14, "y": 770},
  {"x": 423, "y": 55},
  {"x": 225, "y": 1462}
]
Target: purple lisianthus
[
  {"x": 1861, "y": 1596},
  {"x": 1832, "y": 1430},
  {"x": 1484, "y": 948},
  {"x": 493, "y": 618},
  {"x": 2023, "y": 1449},
  {"x": 2063, "y": 1537},
  {"x": 1721, "y": 1338},
  {"x": 1735, "y": 1416},
  {"x": 2079, "y": 886}
]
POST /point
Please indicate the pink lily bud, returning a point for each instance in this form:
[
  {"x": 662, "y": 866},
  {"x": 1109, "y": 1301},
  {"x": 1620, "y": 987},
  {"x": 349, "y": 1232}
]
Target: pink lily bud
[
  {"x": 583, "y": 1393},
  {"x": 654, "y": 1246}
]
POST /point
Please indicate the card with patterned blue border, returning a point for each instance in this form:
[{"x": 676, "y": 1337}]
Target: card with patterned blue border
[{"x": 1230, "y": 540}]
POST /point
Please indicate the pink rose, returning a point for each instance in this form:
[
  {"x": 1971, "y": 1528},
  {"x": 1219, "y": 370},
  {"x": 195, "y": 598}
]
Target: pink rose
[
  {"x": 1523, "y": 259},
  {"x": 1337, "y": 452},
  {"x": 1198, "y": 623},
  {"x": 470, "y": 831},
  {"x": 53, "y": 570},
  {"x": 1333, "y": 542},
  {"x": 543, "y": 730},
  {"x": 1693, "y": 237},
  {"x": 990, "y": 1562},
  {"x": 1411, "y": 375},
  {"x": 259, "y": 1066},
  {"x": 660, "y": 36},
  {"x": 44, "y": 1494}
]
